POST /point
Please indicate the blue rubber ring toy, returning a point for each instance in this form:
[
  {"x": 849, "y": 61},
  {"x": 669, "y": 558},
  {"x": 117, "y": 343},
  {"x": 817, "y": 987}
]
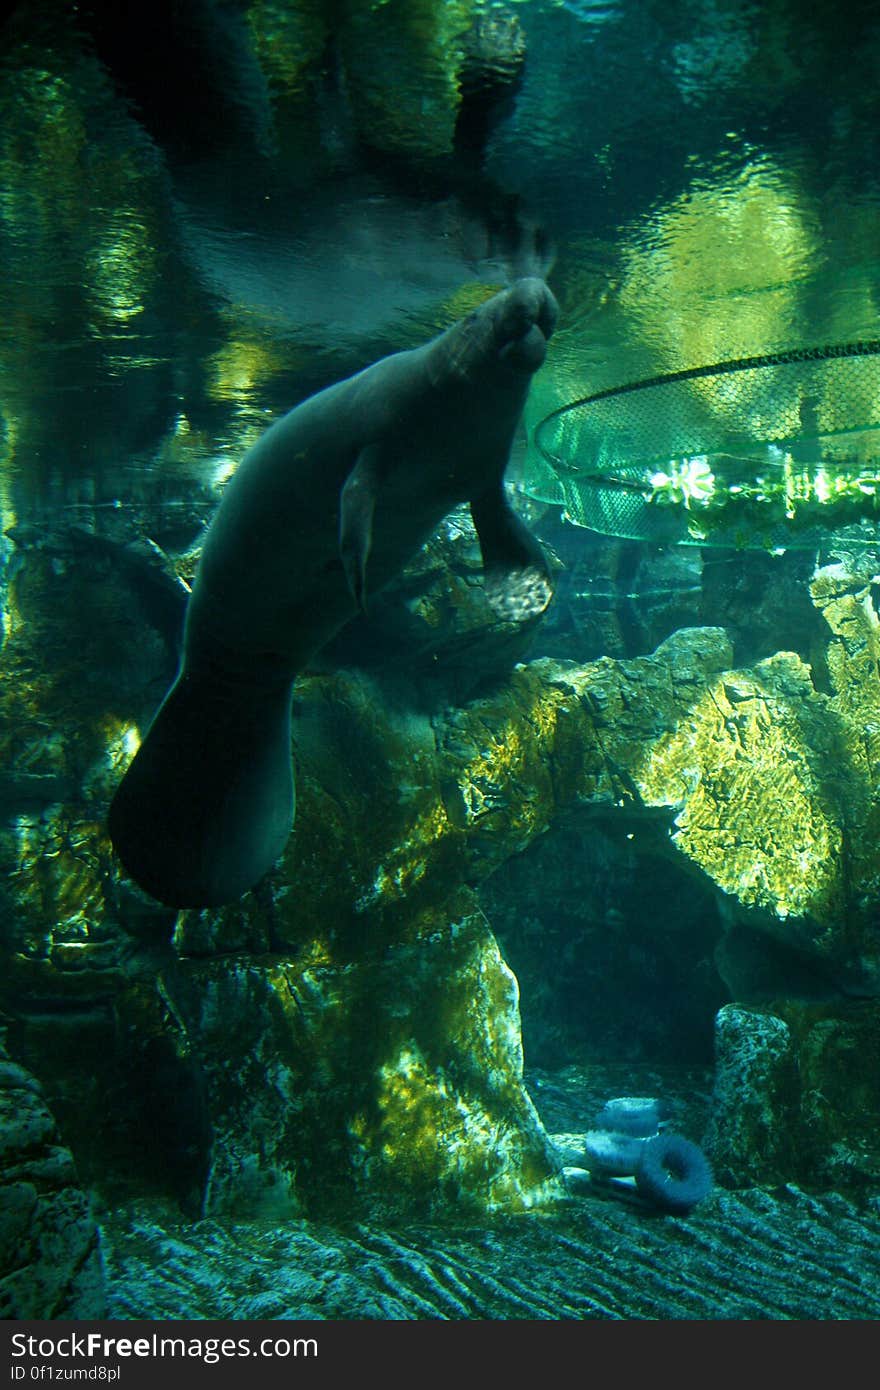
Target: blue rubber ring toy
[{"x": 673, "y": 1173}]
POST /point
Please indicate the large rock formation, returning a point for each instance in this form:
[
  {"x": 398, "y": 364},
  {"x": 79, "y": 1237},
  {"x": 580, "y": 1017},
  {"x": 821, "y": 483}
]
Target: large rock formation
[
  {"x": 392, "y": 1069},
  {"x": 361, "y": 987}
]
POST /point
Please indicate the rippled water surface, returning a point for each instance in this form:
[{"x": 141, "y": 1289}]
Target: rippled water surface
[{"x": 176, "y": 266}]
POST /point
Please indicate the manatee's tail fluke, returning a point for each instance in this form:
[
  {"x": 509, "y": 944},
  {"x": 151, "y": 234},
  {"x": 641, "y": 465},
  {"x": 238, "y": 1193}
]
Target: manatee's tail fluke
[{"x": 207, "y": 804}]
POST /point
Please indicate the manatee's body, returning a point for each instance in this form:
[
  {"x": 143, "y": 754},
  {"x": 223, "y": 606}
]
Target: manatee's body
[{"x": 329, "y": 504}]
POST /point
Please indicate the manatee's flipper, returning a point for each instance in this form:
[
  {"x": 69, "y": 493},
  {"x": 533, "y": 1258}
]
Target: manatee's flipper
[
  {"x": 207, "y": 804},
  {"x": 357, "y": 503},
  {"x": 518, "y": 583}
]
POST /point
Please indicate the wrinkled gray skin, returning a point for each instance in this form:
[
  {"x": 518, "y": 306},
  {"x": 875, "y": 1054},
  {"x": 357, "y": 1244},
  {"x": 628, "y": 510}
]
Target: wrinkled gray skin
[{"x": 324, "y": 510}]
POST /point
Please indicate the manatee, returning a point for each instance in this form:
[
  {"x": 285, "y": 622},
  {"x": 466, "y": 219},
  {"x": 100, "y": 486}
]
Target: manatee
[{"x": 325, "y": 509}]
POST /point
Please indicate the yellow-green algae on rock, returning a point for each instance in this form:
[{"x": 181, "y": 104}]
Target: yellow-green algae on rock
[
  {"x": 757, "y": 810},
  {"x": 397, "y": 1075},
  {"x": 774, "y": 784},
  {"x": 405, "y": 804}
]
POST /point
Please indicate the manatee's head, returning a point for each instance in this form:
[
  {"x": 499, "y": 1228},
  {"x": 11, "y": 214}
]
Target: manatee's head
[
  {"x": 523, "y": 321},
  {"x": 507, "y": 335}
]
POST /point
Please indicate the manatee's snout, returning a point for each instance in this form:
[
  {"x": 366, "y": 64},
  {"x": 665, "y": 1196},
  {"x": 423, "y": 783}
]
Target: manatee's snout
[{"x": 526, "y": 322}]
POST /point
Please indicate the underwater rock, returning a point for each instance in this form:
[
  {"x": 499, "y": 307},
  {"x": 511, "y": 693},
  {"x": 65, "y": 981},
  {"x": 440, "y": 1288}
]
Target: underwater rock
[
  {"x": 763, "y": 601},
  {"x": 753, "y": 812},
  {"x": 616, "y": 597},
  {"x": 50, "y": 1263},
  {"x": 752, "y": 1135},
  {"x": 778, "y": 806},
  {"x": 795, "y": 1096},
  {"x": 436, "y": 622},
  {"x": 837, "y": 1046},
  {"x": 395, "y": 1078},
  {"x": 396, "y": 805},
  {"x": 622, "y": 598},
  {"x": 139, "y": 568}
]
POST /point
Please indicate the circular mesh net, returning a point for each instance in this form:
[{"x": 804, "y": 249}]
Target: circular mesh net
[{"x": 771, "y": 451}]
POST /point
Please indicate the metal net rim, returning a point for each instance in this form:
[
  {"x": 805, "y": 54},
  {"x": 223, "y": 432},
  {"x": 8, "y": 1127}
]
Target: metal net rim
[{"x": 827, "y": 352}]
